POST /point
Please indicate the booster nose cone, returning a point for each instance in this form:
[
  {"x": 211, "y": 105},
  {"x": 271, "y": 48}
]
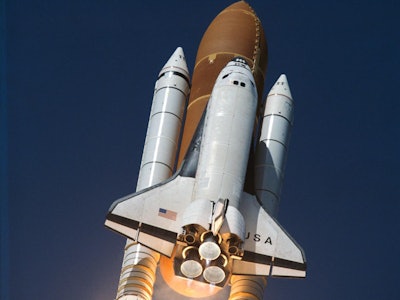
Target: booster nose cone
[
  {"x": 281, "y": 87},
  {"x": 177, "y": 63}
]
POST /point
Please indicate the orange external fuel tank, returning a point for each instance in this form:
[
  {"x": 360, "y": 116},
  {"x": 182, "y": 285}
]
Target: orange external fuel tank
[{"x": 236, "y": 31}]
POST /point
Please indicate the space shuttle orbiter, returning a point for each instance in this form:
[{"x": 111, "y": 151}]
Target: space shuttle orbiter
[{"x": 201, "y": 217}]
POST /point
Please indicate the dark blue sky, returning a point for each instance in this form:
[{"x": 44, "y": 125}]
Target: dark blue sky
[{"x": 79, "y": 83}]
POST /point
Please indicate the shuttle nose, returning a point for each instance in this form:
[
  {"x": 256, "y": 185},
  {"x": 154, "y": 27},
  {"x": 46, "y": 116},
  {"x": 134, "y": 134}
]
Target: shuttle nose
[
  {"x": 240, "y": 62},
  {"x": 239, "y": 59}
]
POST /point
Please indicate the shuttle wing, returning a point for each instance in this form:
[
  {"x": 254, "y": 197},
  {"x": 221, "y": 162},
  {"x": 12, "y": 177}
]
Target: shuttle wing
[
  {"x": 152, "y": 217},
  {"x": 268, "y": 248}
]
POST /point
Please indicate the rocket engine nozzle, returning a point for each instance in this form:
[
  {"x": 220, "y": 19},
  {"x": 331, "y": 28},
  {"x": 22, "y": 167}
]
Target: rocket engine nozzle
[
  {"x": 191, "y": 266},
  {"x": 203, "y": 257},
  {"x": 215, "y": 273},
  {"x": 210, "y": 246}
]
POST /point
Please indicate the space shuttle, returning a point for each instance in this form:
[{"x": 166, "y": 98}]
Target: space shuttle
[
  {"x": 204, "y": 213},
  {"x": 201, "y": 216}
]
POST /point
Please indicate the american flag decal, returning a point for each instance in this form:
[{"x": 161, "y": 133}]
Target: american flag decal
[{"x": 168, "y": 214}]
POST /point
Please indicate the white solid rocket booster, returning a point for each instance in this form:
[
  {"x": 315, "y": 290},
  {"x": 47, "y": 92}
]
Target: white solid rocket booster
[
  {"x": 138, "y": 272},
  {"x": 272, "y": 148},
  {"x": 165, "y": 122}
]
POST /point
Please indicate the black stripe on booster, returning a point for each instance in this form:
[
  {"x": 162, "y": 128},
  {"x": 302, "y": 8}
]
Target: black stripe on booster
[{"x": 177, "y": 74}]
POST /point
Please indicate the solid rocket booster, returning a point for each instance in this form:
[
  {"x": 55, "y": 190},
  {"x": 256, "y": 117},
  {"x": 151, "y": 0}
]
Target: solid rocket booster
[
  {"x": 272, "y": 148},
  {"x": 166, "y": 119},
  {"x": 138, "y": 272}
]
